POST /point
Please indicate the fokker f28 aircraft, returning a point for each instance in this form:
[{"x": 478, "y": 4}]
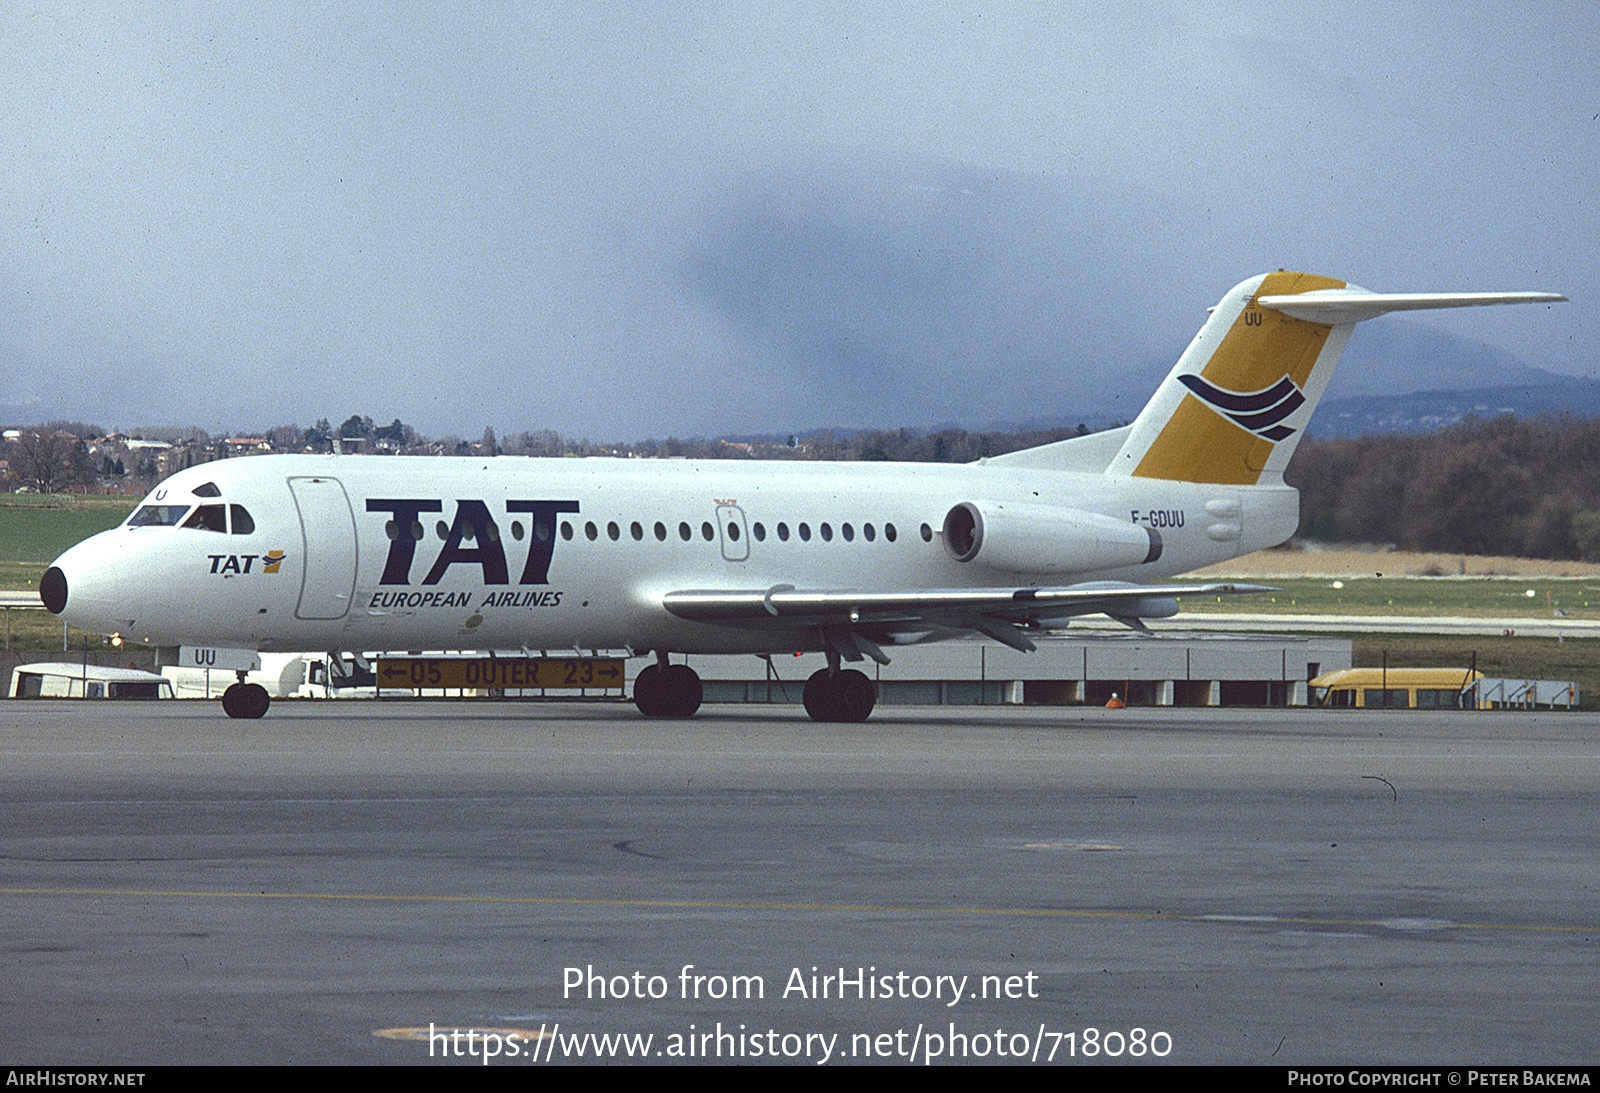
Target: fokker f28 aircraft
[{"x": 297, "y": 552}]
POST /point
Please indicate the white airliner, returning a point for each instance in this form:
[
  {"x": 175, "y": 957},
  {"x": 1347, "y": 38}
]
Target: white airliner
[{"x": 298, "y": 552}]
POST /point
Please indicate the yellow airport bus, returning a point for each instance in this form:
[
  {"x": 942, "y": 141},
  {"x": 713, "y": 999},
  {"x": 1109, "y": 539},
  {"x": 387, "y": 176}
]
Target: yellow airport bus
[{"x": 1397, "y": 688}]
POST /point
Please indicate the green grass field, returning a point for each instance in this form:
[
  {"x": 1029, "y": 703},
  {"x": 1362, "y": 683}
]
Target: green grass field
[
  {"x": 1492, "y": 597},
  {"x": 36, "y": 529}
]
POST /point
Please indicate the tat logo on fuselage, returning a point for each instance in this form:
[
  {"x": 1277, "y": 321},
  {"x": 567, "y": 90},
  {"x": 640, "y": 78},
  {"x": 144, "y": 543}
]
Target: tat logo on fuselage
[
  {"x": 472, "y": 524},
  {"x": 229, "y": 564},
  {"x": 1260, "y": 412}
]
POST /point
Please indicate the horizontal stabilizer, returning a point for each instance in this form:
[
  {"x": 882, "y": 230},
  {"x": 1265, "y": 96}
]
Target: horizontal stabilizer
[{"x": 1338, "y": 306}]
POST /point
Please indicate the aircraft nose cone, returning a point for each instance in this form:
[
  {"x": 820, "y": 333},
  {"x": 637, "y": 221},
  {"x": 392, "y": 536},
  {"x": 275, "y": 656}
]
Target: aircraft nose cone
[{"x": 53, "y": 590}]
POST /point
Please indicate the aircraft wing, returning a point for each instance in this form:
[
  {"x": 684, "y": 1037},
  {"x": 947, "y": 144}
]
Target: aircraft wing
[{"x": 857, "y": 621}]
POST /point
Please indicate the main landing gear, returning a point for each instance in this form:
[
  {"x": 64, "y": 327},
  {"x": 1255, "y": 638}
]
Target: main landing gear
[
  {"x": 248, "y": 700},
  {"x": 835, "y": 695},
  {"x": 667, "y": 690},
  {"x": 674, "y": 690}
]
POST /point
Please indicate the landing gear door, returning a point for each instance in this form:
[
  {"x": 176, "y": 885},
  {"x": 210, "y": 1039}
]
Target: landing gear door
[
  {"x": 735, "y": 539},
  {"x": 328, "y": 548}
]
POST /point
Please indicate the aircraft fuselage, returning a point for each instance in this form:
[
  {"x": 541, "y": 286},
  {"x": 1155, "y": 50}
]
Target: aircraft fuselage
[{"x": 370, "y": 552}]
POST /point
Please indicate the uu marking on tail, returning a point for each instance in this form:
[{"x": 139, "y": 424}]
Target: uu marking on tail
[{"x": 1260, "y": 412}]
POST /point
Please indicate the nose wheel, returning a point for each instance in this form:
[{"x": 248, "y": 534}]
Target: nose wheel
[{"x": 247, "y": 700}]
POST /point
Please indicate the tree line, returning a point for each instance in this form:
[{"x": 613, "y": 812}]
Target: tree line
[
  {"x": 1526, "y": 487},
  {"x": 1523, "y": 487}
]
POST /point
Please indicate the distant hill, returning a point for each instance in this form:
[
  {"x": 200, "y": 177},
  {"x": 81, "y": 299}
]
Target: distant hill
[
  {"x": 1398, "y": 376},
  {"x": 1424, "y": 411}
]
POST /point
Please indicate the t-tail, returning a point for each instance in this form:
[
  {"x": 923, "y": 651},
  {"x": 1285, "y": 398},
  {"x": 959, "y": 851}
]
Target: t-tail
[{"x": 1237, "y": 403}]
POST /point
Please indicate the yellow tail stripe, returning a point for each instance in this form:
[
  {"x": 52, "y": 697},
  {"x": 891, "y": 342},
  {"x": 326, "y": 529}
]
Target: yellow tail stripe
[{"x": 1197, "y": 444}]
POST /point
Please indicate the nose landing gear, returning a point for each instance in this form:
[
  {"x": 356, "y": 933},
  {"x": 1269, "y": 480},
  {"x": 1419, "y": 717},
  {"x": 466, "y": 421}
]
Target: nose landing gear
[{"x": 246, "y": 700}]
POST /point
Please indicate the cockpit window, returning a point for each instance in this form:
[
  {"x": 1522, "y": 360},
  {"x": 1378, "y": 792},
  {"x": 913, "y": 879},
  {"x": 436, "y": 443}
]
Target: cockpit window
[
  {"x": 209, "y": 518},
  {"x": 207, "y": 489},
  {"x": 157, "y": 516},
  {"x": 242, "y": 524}
]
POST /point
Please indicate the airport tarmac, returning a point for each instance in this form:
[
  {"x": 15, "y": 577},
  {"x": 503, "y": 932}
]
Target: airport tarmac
[{"x": 327, "y": 884}]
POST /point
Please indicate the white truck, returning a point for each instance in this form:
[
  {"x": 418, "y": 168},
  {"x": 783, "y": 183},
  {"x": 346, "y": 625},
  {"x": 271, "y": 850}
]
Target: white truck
[{"x": 284, "y": 675}]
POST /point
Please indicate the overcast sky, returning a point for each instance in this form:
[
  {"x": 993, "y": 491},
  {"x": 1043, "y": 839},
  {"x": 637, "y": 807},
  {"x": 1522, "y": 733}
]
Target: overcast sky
[{"x": 628, "y": 220}]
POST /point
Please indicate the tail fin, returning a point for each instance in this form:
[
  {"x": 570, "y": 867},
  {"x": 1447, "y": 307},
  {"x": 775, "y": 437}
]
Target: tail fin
[{"x": 1236, "y": 404}]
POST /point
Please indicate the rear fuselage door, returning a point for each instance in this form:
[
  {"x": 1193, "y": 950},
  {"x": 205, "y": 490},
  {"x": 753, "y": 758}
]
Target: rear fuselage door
[{"x": 328, "y": 546}]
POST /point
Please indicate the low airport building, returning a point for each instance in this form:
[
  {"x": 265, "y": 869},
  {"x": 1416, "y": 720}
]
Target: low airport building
[{"x": 1173, "y": 669}]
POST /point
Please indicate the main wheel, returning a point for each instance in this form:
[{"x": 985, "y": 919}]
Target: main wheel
[
  {"x": 843, "y": 696},
  {"x": 648, "y": 693},
  {"x": 857, "y": 695},
  {"x": 818, "y": 696},
  {"x": 683, "y": 688},
  {"x": 673, "y": 691}
]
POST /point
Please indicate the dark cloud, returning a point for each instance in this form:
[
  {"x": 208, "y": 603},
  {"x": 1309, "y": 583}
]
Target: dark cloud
[
  {"x": 692, "y": 218},
  {"x": 926, "y": 295}
]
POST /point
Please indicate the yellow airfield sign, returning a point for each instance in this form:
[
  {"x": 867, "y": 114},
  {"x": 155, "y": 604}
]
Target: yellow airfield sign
[{"x": 500, "y": 673}]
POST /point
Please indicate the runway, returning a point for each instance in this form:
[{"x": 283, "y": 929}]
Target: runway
[{"x": 982, "y": 884}]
